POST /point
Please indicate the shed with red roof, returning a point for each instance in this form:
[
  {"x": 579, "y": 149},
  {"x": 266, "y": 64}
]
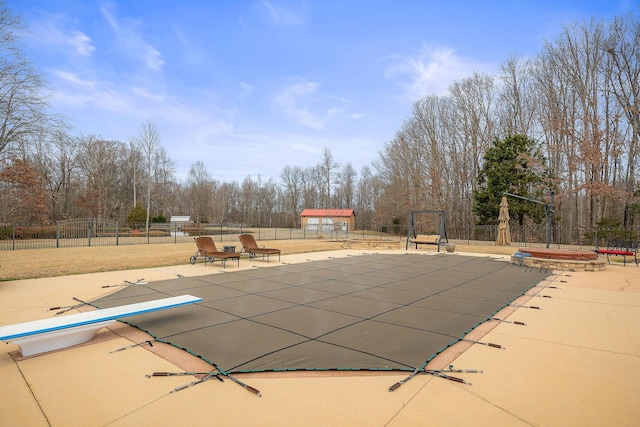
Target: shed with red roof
[{"x": 328, "y": 219}]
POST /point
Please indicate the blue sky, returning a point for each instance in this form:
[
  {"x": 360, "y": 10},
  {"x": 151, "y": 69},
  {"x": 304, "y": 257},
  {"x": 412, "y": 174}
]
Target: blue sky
[{"x": 249, "y": 87}]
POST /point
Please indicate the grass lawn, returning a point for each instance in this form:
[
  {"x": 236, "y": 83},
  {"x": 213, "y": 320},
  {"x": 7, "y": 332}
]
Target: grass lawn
[{"x": 36, "y": 263}]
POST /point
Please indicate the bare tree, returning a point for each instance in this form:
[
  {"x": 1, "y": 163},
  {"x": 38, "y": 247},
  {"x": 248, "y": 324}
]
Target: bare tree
[
  {"x": 266, "y": 201},
  {"x": 575, "y": 58},
  {"x": 311, "y": 183},
  {"x": 199, "y": 187},
  {"x": 472, "y": 127},
  {"x": 225, "y": 202},
  {"x": 291, "y": 178},
  {"x": 22, "y": 101},
  {"x": 345, "y": 194},
  {"x": 248, "y": 190},
  {"x": 428, "y": 132},
  {"x": 328, "y": 170},
  {"x": 56, "y": 163},
  {"x": 134, "y": 166},
  {"x": 99, "y": 162},
  {"x": 517, "y": 105},
  {"x": 623, "y": 47},
  {"x": 401, "y": 168},
  {"x": 367, "y": 196},
  {"x": 148, "y": 140},
  {"x": 164, "y": 182}
]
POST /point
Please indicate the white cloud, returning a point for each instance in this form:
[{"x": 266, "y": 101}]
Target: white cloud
[
  {"x": 73, "y": 79},
  {"x": 76, "y": 92},
  {"x": 144, "y": 93},
  {"x": 152, "y": 57},
  {"x": 429, "y": 71},
  {"x": 53, "y": 32},
  {"x": 304, "y": 147},
  {"x": 128, "y": 38},
  {"x": 289, "y": 98},
  {"x": 245, "y": 89},
  {"x": 80, "y": 43},
  {"x": 189, "y": 50},
  {"x": 302, "y": 101},
  {"x": 280, "y": 15},
  {"x": 111, "y": 20}
]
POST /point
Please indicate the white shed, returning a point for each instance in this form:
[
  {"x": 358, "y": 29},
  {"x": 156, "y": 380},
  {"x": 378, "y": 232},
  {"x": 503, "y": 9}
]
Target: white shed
[
  {"x": 177, "y": 222},
  {"x": 180, "y": 219}
]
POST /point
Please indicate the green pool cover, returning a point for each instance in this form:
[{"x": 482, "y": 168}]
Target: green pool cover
[{"x": 371, "y": 312}]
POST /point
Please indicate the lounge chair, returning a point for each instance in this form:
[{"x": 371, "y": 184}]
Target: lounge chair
[
  {"x": 250, "y": 246},
  {"x": 208, "y": 251}
]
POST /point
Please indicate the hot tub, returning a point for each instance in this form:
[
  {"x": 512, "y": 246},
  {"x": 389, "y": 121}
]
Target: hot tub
[{"x": 559, "y": 259}]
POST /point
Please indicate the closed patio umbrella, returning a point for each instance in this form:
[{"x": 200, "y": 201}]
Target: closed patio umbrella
[{"x": 504, "y": 233}]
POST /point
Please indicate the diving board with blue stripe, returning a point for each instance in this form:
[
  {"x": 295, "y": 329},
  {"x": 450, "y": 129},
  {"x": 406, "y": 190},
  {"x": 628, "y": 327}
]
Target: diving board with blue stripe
[{"x": 55, "y": 333}]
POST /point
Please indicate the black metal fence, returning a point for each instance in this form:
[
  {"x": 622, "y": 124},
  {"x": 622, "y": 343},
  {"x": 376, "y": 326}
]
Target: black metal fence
[
  {"x": 560, "y": 237},
  {"x": 96, "y": 232}
]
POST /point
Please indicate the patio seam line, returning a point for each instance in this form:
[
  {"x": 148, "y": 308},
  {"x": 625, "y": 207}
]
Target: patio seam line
[{"x": 35, "y": 398}]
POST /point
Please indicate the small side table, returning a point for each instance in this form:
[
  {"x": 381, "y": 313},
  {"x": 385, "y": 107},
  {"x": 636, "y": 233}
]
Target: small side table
[{"x": 228, "y": 248}]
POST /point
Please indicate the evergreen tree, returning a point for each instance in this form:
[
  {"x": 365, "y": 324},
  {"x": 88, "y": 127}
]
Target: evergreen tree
[
  {"x": 514, "y": 165},
  {"x": 137, "y": 215}
]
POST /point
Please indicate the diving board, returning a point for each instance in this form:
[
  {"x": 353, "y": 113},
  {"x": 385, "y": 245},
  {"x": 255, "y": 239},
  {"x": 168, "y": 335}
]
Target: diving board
[{"x": 55, "y": 333}]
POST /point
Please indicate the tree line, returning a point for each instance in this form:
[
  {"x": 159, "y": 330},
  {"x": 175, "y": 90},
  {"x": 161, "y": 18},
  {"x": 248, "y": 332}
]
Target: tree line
[
  {"x": 575, "y": 105},
  {"x": 578, "y": 99}
]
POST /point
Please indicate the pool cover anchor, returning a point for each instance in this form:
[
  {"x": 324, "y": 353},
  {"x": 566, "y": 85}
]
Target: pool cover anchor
[
  {"x": 127, "y": 283},
  {"x": 150, "y": 342},
  {"x": 534, "y": 307},
  {"x": 183, "y": 374},
  {"x": 192, "y": 383},
  {"x": 437, "y": 373},
  {"x": 488, "y": 344},
  {"x": 441, "y": 374},
  {"x": 413, "y": 374},
  {"x": 247, "y": 387},
  {"x": 469, "y": 371},
  {"x": 514, "y": 322},
  {"x": 69, "y": 307},
  {"x": 208, "y": 375}
]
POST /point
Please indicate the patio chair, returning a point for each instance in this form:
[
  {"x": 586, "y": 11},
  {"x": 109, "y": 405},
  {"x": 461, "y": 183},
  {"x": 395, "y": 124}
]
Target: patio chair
[
  {"x": 207, "y": 250},
  {"x": 250, "y": 246}
]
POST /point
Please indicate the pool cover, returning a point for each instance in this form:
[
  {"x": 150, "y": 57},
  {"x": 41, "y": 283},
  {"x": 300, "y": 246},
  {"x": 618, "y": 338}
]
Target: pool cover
[{"x": 375, "y": 312}]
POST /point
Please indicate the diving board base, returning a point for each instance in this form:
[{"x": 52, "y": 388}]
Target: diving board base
[{"x": 55, "y": 340}]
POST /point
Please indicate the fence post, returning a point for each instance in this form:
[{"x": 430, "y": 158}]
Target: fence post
[
  {"x": 13, "y": 236},
  {"x": 57, "y": 234}
]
